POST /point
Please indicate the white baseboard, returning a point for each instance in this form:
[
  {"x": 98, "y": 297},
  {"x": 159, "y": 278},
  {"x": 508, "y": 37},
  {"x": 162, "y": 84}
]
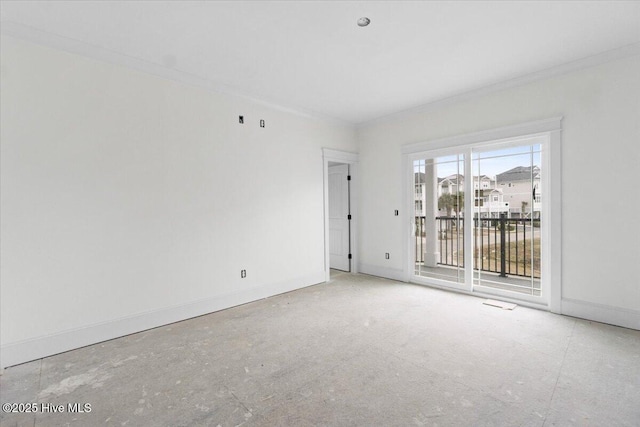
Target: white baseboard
[
  {"x": 37, "y": 348},
  {"x": 601, "y": 313},
  {"x": 386, "y": 272}
]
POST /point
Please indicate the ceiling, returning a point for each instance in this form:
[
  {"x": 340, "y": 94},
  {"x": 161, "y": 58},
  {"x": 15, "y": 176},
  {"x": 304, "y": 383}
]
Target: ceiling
[{"x": 312, "y": 57}]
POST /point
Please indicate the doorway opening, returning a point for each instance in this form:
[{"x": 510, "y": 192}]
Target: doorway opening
[
  {"x": 339, "y": 217},
  {"x": 340, "y": 211}
]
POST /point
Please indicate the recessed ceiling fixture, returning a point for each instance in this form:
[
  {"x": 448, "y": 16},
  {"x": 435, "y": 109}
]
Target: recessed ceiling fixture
[{"x": 364, "y": 21}]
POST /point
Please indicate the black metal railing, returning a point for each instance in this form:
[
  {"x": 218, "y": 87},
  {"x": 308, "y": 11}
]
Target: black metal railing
[{"x": 508, "y": 246}]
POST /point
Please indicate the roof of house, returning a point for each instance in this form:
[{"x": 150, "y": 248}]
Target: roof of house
[
  {"x": 519, "y": 173},
  {"x": 525, "y": 171},
  {"x": 455, "y": 177}
]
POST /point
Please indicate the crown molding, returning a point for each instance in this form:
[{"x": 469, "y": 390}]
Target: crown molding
[
  {"x": 504, "y": 133},
  {"x": 69, "y": 45},
  {"x": 580, "y": 64}
]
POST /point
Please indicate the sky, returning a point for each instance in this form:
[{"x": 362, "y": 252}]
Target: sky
[{"x": 490, "y": 163}]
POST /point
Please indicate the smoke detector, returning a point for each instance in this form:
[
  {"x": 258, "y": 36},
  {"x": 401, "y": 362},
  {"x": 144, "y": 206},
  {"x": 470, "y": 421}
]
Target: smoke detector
[{"x": 364, "y": 21}]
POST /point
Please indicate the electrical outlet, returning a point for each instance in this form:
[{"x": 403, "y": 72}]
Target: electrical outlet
[
  {"x": 395, "y": 212},
  {"x": 243, "y": 274},
  {"x": 241, "y": 120},
  {"x": 386, "y": 255},
  {"x": 261, "y": 123}
]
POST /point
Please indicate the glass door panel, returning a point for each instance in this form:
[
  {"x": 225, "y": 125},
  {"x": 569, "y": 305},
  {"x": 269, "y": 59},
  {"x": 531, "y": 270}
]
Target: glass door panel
[
  {"x": 439, "y": 222},
  {"x": 506, "y": 218}
]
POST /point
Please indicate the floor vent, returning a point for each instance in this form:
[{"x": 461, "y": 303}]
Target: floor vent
[{"x": 501, "y": 304}]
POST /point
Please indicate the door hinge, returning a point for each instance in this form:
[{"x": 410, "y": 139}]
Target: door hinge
[
  {"x": 350, "y": 256},
  {"x": 349, "y": 217},
  {"x": 348, "y": 177}
]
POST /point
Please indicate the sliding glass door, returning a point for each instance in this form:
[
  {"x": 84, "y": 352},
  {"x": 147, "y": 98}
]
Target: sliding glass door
[{"x": 484, "y": 202}]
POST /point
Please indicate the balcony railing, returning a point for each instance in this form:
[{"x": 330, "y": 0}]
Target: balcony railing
[{"x": 508, "y": 246}]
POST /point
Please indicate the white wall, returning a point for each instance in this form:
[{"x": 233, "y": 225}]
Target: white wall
[
  {"x": 601, "y": 146},
  {"x": 130, "y": 201}
]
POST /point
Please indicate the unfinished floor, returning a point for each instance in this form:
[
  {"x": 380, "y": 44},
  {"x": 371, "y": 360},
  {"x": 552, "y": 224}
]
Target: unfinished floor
[{"x": 358, "y": 351}]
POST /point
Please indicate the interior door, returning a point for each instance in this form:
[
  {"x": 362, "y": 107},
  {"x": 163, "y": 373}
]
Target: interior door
[{"x": 339, "y": 217}]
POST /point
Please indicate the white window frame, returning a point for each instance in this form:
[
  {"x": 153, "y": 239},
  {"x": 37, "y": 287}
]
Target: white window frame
[{"x": 550, "y": 130}]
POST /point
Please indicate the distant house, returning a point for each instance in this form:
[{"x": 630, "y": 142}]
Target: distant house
[
  {"x": 488, "y": 199},
  {"x": 451, "y": 184},
  {"x": 489, "y": 203},
  {"x": 518, "y": 191},
  {"x": 483, "y": 182},
  {"x": 418, "y": 196}
]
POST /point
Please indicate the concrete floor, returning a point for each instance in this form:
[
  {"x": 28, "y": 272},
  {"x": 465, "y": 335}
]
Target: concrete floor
[{"x": 358, "y": 351}]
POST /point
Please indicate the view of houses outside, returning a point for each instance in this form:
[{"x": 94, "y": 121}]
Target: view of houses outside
[
  {"x": 506, "y": 217},
  {"x": 509, "y": 192}
]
